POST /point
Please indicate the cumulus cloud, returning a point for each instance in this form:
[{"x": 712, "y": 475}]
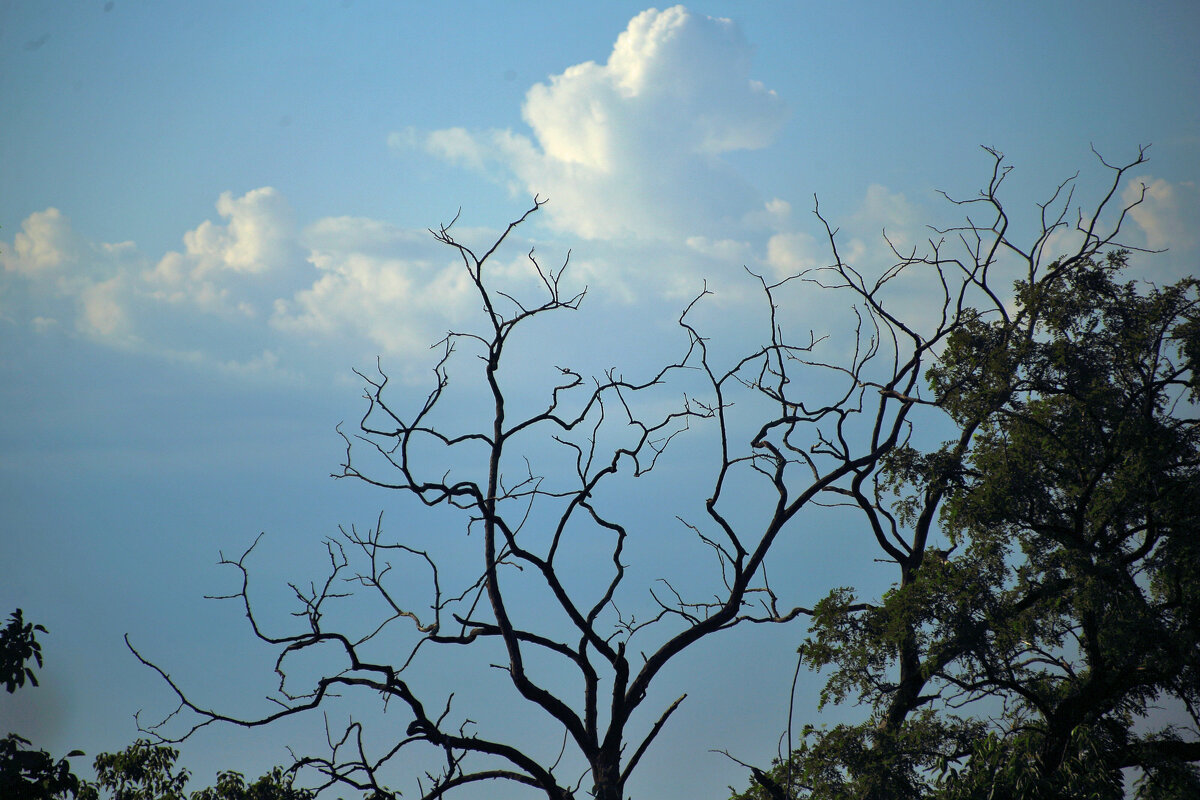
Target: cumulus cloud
[
  {"x": 633, "y": 155},
  {"x": 633, "y": 147},
  {"x": 457, "y": 146},
  {"x": 352, "y": 281},
  {"x": 885, "y": 208},
  {"x": 631, "y": 152},
  {"x": 362, "y": 285},
  {"x": 1161, "y": 214},
  {"x": 257, "y": 237},
  {"x": 44, "y": 244},
  {"x": 389, "y": 285},
  {"x": 66, "y": 276},
  {"x": 110, "y": 292},
  {"x": 860, "y": 237},
  {"x": 109, "y": 287},
  {"x": 792, "y": 253},
  {"x": 103, "y": 313}
]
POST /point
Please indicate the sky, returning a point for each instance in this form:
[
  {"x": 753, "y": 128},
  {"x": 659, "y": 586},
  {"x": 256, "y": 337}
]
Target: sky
[{"x": 211, "y": 212}]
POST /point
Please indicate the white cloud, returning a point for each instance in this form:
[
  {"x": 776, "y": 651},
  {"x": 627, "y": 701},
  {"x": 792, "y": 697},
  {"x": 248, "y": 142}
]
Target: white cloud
[
  {"x": 258, "y": 237},
  {"x": 44, "y": 244},
  {"x": 360, "y": 283},
  {"x": 633, "y": 147},
  {"x": 732, "y": 251},
  {"x": 66, "y": 276},
  {"x": 377, "y": 281},
  {"x": 266, "y": 362},
  {"x": 103, "y": 313},
  {"x": 355, "y": 282},
  {"x": 457, "y": 146},
  {"x": 887, "y": 213},
  {"x": 774, "y": 215},
  {"x": 1161, "y": 214},
  {"x": 362, "y": 286},
  {"x": 792, "y": 253},
  {"x": 631, "y": 153},
  {"x": 860, "y": 236}
]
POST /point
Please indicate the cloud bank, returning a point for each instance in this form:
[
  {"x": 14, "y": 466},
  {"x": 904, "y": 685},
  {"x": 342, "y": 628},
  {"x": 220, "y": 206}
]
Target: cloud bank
[
  {"x": 634, "y": 154},
  {"x": 633, "y": 147},
  {"x": 246, "y": 287},
  {"x": 396, "y": 288}
]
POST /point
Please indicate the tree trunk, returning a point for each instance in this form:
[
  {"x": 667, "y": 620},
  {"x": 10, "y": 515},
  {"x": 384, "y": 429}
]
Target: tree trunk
[{"x": 607, "y": 777}]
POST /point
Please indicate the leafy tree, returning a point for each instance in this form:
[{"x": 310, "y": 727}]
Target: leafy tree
[
  {"x": 1063, "y": 491},
  {"x": 18, "y": 645},
  {"x": 1027, "y": 660},
  {"x": 142, "y": 771},
  {"x": 146, "y": 771},
  {"x": 27, "y": 774}
]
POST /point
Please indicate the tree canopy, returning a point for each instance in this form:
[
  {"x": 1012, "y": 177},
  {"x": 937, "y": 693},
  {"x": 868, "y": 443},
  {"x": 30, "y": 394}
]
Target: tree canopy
[
  {"x": 142, "y": 771},
  {"x": 1024, "y": 659},
  {"x": 1030, "y": 659}
]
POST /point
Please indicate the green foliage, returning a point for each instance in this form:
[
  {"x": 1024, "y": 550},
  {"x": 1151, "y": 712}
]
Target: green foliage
[
  {"x": 275, "y": 785},
  {"x": 18, "y": 645},
  {"x": 27, "y": 774},
  {"x": 145, "y": 771},
  {"x": 1027, "y": 664},
  {"x": 142, "y": 771},
  {"x": 1168, "y": 778}
]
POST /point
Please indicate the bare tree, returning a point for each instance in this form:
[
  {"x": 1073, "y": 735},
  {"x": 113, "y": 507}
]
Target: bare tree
[{"x": 763, "y": 419}]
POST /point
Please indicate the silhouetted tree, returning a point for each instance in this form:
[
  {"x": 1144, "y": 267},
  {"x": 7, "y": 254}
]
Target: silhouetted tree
[
  {"x": 25, "y": 773},
  {"x": 146, "y": 771},
  {"x": 786, "y": 425},
  {"x": 18, "y": 646},
  {"x": 1030, "y": 662},
  {"x": 142, "y": 771}
]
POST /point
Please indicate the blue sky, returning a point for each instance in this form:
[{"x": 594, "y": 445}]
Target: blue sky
[{"x": 210, "y": 212}]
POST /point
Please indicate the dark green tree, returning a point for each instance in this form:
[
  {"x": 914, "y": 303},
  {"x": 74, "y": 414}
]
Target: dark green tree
[
  {"x": 28, "y": 774},
  {"x": 142, "y": 771},
  {"x": 18, "y": 646},
  {"x": 1028, "y": 659},
  {"x": 147, "y": 771},
  {"x": 25, "y": 773}
]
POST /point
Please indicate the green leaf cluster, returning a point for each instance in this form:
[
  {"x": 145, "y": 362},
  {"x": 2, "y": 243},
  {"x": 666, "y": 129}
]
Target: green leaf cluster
[
  {"x": 142, "y": 771},
  {"x": 19, "y": 645},
  {"x": 1029, "y": 659}
]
